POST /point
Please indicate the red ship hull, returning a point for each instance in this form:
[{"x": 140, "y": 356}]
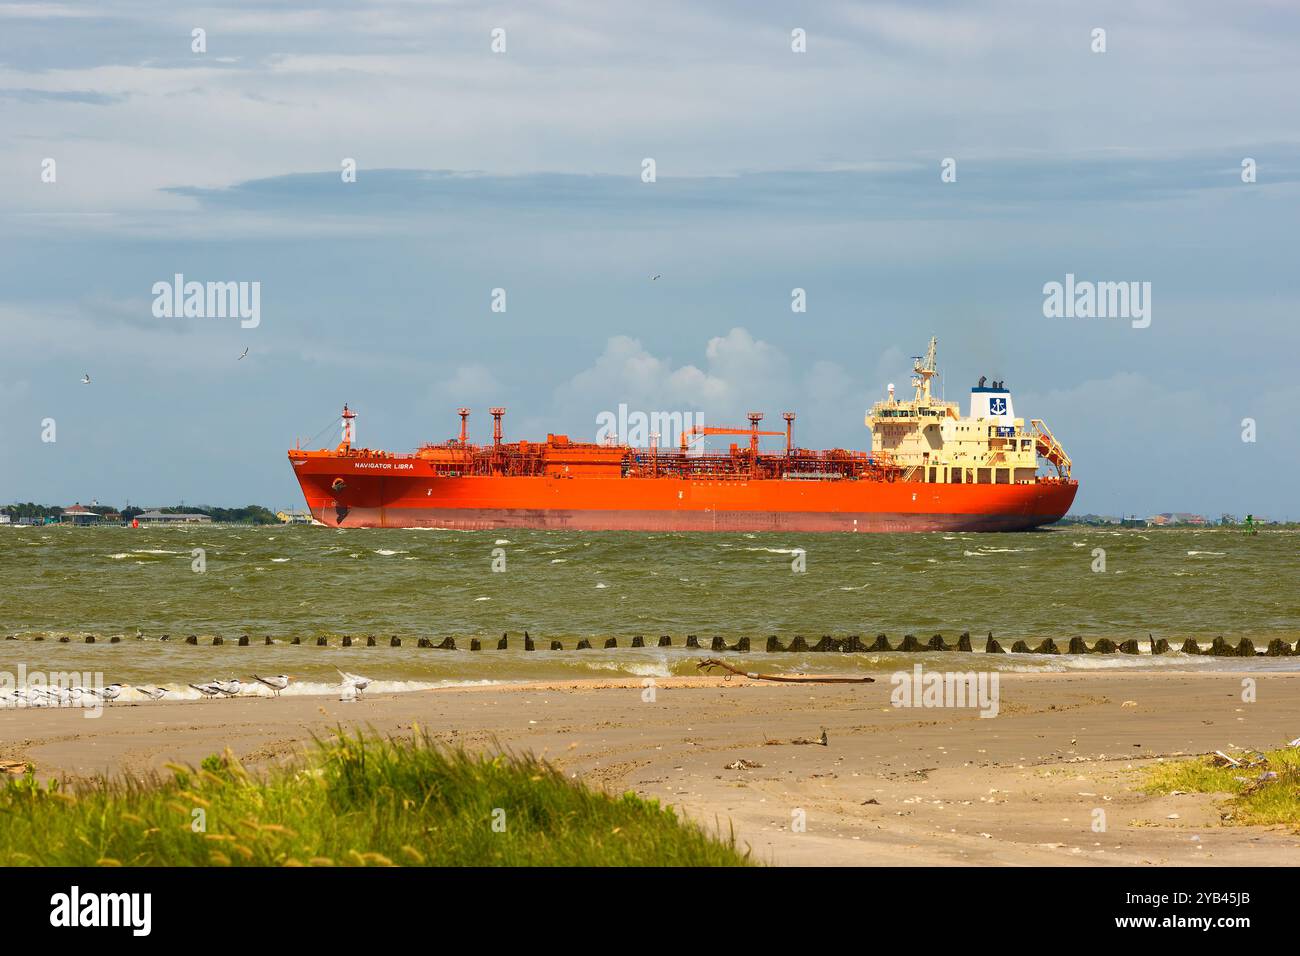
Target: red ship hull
[{"x": 384, "y": 491}]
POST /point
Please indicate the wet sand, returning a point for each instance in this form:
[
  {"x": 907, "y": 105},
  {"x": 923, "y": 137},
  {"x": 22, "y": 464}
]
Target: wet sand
[{"x": 893, "y": 786}]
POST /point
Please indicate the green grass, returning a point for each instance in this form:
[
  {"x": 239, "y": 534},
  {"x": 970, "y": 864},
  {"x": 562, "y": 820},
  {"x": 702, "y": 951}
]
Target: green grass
[
  {"x": 353, "y": 801},
  {"x": 1268, "y": 803}
]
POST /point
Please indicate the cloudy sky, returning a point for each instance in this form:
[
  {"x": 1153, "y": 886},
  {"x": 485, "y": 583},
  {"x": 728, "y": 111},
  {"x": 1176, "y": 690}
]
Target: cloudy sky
[{"x": 522, "y": 170}]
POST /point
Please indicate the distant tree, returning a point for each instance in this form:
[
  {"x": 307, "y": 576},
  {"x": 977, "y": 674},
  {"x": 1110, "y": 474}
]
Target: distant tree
[
  {"x": 32, "y": 510},
  {"x": 249, "y": 514}
]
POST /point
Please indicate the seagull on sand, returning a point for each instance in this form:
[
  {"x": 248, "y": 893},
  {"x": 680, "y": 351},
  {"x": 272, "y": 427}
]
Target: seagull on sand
[
  {"x": 207, "y": 690},
  {"x": 277, "y": 683},
  {"x": 355, "y": 681},
  {"x": 229, "y": 687},
  {"x": 111, "y": 692},
  {"x": 153, "y": 693},
  {"x": 85, "y": 379}
]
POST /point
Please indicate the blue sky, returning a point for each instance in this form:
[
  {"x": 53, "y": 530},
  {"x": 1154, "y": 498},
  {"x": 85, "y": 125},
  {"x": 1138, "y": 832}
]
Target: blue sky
[{"x": 522, "y": 170}]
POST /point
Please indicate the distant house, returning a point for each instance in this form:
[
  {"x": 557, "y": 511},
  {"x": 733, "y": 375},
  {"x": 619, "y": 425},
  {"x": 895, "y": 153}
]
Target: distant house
[
  {"x": 4, "y": 518},
  {"x": 159, "y": 517},
  {"x": 1176, "y": 517},
  {"x": 294, "y": 516},
  {"x": 77, "y": 515}
]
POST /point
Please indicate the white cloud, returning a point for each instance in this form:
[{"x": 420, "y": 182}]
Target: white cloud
[
  {"x": 738, "y": 373},
  {"x": 736, "y": 365}
]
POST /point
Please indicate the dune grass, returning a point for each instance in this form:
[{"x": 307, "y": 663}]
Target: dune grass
[
  {"x": 1267, "y": 802},
  {"x": 353, "y": 801}
]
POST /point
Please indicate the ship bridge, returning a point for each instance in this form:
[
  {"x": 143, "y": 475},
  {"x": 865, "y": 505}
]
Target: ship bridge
[{"x": 932, "y": 442}]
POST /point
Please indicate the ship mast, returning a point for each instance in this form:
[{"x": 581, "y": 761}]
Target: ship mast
[
  {"x": 349, "y": 428},
  {"x": 923, "y": 371}
]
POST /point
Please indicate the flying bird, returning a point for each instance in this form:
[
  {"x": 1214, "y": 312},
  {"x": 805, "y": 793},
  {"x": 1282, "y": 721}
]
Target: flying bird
[
  {"x": 656, "y": 276},
  {"x": 277, "y": 683},
  {"x": 241, "y": 357},
  {"x": 85, "y": 379},
  {"x": 355, "y": 681}
]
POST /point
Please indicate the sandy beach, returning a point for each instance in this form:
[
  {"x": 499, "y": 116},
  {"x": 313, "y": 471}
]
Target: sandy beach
[{"x": 892, "y": 786}]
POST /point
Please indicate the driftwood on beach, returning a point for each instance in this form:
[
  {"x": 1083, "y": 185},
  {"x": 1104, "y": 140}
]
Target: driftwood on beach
[{"x": 711, "y": 662}]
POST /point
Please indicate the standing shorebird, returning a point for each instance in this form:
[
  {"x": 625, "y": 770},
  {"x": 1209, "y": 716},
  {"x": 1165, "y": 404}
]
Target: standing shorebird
[
  {"x": 356, "y": 682},
  {"x": 277, "y": 683},
  {"x": 230, "y": 688},
  {"x": 153, "y": 693},
  {"x": 207, "y": 690}
]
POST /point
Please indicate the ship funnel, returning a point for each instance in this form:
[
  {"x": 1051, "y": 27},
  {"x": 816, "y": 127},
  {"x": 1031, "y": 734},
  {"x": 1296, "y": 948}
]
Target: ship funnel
[
  {"x": 992, "y": 402},
  {"x": 789, "y": 431},
  {"x": 464, "y": 425}
]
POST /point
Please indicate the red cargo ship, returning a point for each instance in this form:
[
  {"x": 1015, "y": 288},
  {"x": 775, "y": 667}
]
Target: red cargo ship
[{"x": 930, "y": 469}]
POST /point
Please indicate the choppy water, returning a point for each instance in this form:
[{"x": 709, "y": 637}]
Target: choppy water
[{"x": 309, "y": 581}]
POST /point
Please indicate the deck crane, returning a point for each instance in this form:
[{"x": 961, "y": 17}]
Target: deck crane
[{"x": 752, "y": 431}]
